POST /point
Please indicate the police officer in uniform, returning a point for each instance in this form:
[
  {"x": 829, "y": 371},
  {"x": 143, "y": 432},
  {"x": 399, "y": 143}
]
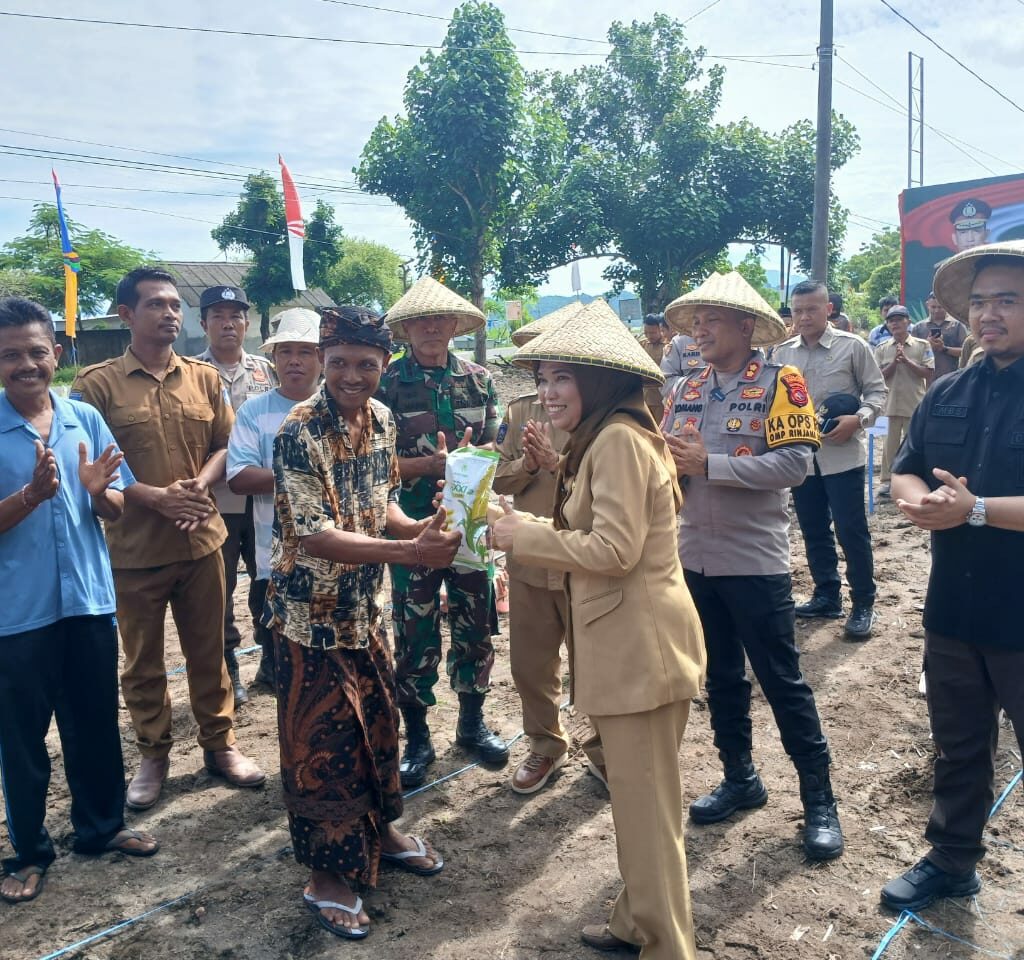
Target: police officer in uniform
[
  {"x": 741, "y": 431},
  {"x": 224, "y": 316},
  {"x": 537, "y": 614},
  {"x": 681, "y": 359},
  {"x": 438, "y": 400}
]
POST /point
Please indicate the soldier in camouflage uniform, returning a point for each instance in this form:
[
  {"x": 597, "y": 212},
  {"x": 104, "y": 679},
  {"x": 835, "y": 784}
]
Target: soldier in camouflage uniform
[{"x": 438, "y": 401}]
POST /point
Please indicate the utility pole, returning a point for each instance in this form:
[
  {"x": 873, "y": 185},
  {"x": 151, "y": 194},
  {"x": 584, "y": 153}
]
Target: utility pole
[
  {"x": 915, "y": 119},
  {"x": 823, "y": 148}
]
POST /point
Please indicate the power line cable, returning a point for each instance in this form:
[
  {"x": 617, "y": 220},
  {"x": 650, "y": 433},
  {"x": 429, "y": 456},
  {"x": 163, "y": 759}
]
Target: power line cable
[
  {"x": 704, "y": 9},
  {"x": 953, "y": 57}
]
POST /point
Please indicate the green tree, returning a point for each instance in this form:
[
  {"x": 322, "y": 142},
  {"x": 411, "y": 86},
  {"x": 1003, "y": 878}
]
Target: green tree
[
  {"x": 884, "y": 281},
  {"x": 257, "y": 227},
  {"x": 15, "y": 283},
  {"x": 752, "y": 270},
  {"x": 651, "y": 180},
  {"x": 35, "y": 264},
  {"x": 369, "y": 274},
  {"x": 452, "y": 162},
  {"x": 881, "y": 250}
]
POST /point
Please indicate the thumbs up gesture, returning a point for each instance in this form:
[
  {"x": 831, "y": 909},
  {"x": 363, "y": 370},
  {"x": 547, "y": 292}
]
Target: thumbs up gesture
[
  {"x": 504, "y": 528},
  {"x": 436, "y": 547}
]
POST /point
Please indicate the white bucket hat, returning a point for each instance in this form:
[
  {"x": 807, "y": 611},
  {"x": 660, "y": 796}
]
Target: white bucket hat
[{"x": 295, "y": 325}]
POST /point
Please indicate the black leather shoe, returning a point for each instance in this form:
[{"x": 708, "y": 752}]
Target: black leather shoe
[
  {"x": 237, "y": 687},
  {"x": 419, "y": 751},
  {"x": 821, "y": 607},
  {"x": 861, "y": 622},
  {"x": 741, "y": 789},
  {"x": 924, "y": 883},
  {"x": 599, "y": 937},
  {"x": 472, "y": 732},
  {"x": 823, "y": 836}
]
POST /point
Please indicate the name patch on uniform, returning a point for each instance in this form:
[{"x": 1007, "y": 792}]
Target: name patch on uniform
[
  {"x": 733, "y": 424},
  {"x": 752, "y": 393},
  {"x": 948, "y": 410},
  {"x": 687, "y": 408},
  {"x": 747, "y": 407},
  {"x": 791, "y": 418}
]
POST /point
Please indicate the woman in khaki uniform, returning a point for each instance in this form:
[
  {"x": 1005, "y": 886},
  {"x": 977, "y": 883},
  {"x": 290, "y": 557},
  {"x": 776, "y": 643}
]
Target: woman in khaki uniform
[{"x": 636, "y": 649}]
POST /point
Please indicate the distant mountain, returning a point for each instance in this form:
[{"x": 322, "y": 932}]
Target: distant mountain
[{"x": 551, "y": 303}]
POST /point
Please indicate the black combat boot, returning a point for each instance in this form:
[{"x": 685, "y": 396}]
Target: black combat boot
[
  {"x": 474, "y": 735},
  {"x": 419, "y": 751},
  {"x": 741, "y": 789},
  {"x": 237, "y": 687},
  {"x": 823, "y": 837},
  {"x": 267, "y": 672}
]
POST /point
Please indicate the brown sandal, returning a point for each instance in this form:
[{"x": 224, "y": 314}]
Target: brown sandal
[{"x": 22, "y": 876}]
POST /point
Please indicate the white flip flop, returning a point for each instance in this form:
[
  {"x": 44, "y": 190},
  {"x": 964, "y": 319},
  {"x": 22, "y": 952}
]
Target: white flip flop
[
  {"x": 402, "y": 859},
  {"x": 338, "y": 929}
]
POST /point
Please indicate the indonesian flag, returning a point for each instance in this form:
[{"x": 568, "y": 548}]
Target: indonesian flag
[{"x": 296, "y": 228}]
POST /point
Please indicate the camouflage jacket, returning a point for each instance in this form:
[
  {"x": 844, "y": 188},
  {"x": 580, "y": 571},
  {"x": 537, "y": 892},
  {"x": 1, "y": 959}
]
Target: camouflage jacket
[{"x": 426, "y": 401}]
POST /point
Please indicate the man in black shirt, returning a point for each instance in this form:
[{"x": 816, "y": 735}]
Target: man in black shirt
[{"x": 960, "y": 474}]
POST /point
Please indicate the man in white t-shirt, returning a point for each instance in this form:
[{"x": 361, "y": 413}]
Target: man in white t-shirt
[{"x": 251, "y": 447}]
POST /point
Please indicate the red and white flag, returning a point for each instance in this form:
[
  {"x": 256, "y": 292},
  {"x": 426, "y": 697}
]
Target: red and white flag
[{"x": 296, "y": 228}]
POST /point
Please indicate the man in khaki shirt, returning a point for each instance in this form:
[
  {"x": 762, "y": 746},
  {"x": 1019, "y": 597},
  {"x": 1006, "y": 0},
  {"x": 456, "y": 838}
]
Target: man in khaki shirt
[
  {"x": 908, "y": 365},
  {"x": 170, "y": 416},
  {"x": 536, "y": 596},
  {"x": 655, "y": 340}
]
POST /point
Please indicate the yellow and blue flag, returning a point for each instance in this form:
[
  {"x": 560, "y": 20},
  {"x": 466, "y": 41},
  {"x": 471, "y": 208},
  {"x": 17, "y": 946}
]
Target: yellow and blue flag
[{"x": 72, "y": 265}]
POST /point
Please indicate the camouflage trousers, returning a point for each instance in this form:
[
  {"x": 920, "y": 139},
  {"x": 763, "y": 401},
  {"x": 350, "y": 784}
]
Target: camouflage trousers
[{"x": 415, "y": 594}]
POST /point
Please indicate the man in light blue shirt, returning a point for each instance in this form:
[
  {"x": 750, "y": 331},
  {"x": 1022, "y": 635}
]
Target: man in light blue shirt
[
  {"x": 251, "y": 448},
  {"x": 60, "y": 472}
]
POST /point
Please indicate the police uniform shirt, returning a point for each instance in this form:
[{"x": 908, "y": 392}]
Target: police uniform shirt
[
  {"x": 971, "y": 423},
  {"x": 759, "y": 429},
  {"x": 681, "y": 360},
  {"x": 251, "y": 377},
  {"x": 839, "y": 363},
  {"x": 168, "y": 427},
  {"x": 906, "y": 388}
]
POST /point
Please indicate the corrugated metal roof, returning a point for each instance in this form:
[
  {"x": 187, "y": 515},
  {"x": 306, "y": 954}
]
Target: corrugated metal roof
[{"x": 193, "y": 277}]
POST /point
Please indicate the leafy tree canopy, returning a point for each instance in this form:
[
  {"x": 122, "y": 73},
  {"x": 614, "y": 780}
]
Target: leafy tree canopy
[
  {"x": 882, "y": 249},
  {"x": 33, "y": 265},
  {"x": 369, "y": 274},
  {"x": 257, "y": 227}
]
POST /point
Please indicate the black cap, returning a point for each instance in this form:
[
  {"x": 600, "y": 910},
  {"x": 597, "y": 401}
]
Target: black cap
[
  {"x": 970, "y": 209},
  {"x": 898, "y": 311},
  {"x": 836, "y": 405},
  {"x": 215, "y": 295}
]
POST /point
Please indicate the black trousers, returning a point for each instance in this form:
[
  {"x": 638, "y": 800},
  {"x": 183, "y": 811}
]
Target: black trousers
[
  {"x": 241, "y": 543},
  {"x": 836, "y": 499},
  {"x": 68, "y": 668},
  {"x": 753, "y": 615},
  {"x": 260, "y": 634},
  {"x": 967, "y": 685}
]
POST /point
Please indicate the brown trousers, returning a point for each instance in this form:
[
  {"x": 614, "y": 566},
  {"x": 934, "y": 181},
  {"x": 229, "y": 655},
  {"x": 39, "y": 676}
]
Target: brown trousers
[
  {"x": 537, "y": 628},
  {"x": 967, "y": 685},
  {"x": 641, "y": 755},
  {"x": 898, "y": 427},
  {"x": 195, "y": 591}
]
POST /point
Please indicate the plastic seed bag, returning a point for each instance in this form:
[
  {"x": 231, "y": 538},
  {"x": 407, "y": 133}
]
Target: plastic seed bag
[{"x": 468, "y": 474}]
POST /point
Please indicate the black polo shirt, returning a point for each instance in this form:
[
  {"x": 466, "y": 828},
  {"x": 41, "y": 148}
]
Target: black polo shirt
[{"x": 971, "y": 423}]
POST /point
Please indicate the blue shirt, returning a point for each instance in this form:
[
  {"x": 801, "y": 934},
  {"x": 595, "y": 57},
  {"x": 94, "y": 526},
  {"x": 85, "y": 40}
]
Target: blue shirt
[
  {"x": 54, "y": 564},
  {"x": 252, "y": 445},
  {"x": 878, "y": 335}
]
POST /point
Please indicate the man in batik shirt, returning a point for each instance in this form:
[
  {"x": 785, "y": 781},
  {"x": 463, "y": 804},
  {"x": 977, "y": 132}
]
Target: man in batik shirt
[{"x": 336, "y": 496}]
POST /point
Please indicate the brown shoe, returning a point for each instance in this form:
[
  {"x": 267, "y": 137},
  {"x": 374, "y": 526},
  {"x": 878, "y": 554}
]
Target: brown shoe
[
  {"x": 234, "y": 766},
  {"x": 534, "y": 772},
  {"x": 144, "y": 790},
  {"x": 598, "y": 936}
]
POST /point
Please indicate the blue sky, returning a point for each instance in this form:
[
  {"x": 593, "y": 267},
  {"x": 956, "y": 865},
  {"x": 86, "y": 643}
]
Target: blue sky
[{"x": 241, "y": 100}]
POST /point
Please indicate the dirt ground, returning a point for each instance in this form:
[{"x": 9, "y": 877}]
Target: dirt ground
[{"x": 524, "y": 873}]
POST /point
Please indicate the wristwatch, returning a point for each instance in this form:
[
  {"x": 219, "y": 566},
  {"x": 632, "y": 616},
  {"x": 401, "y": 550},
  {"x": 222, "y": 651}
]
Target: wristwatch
[
  {"x": 862, "y": 419},
  {"x": 977, "y": 517}
]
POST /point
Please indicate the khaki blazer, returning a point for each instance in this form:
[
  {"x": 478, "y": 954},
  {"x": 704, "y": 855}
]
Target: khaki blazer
[{"x": 634, "y": 635}]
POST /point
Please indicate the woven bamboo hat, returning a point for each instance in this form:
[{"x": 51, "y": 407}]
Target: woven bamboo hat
[
  {"x": 428, "y": 298},
  {"x": 732, "y": 291},
  {"x": 955, "y": 276},
  {"x": 548, "y": 322},
  {"x": 594, "y": 337}
]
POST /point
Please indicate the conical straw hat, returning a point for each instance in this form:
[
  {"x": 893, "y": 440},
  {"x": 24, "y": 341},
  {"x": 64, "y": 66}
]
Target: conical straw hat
[
  {"x": 955, "y": 276},
  {"x": 732, "y": 291},
  {"x": 428, "y": 298},
  {"x": 595, "y": 337},
  {"x": 548, "y": 322}
]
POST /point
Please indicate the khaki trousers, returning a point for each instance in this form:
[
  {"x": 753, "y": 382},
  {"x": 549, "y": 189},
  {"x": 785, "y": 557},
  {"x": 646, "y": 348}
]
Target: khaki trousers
[
  {"x": 537, "y": 628},
  {"x": 641, "y": 755},
  {"x": 893, "y": 439},
  {"x": 195, "y": 591}
]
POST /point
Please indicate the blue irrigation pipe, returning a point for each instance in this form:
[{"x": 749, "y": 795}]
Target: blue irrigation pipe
[{"x": 906, "y": 916}]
